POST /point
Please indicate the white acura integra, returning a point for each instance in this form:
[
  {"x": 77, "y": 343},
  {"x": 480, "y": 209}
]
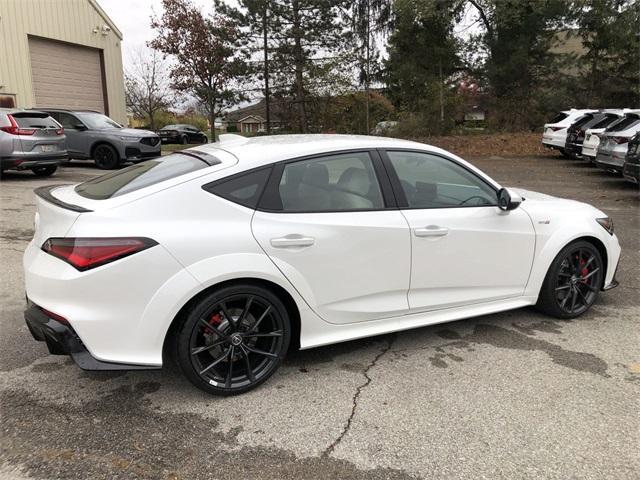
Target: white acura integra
[{"x": 223, "y": 255}]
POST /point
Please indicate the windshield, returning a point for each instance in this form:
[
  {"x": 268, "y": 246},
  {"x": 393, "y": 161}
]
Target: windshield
[{"x": 97, "y": 120}]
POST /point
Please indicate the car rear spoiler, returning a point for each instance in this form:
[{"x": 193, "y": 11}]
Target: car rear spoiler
[{"x": 45, "y": 194}]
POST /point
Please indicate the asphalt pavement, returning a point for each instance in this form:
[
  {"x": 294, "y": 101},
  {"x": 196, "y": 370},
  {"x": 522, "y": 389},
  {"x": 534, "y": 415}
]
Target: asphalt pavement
[{"x": 507, "y": 396}]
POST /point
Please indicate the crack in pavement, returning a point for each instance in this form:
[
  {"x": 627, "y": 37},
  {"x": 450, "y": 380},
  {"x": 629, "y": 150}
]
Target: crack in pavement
[{"x": 329, "y": 450}]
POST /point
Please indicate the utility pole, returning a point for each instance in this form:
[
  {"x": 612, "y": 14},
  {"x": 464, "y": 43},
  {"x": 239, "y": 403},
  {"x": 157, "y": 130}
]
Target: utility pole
[
  {"x": 265, "y": 22},
  {"x": 367, "y": 69}
]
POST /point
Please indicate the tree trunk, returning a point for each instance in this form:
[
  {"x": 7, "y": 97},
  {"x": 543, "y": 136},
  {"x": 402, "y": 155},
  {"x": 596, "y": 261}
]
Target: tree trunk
[
  {"x": 367, "y": 69},
  {"x": 212, "y": 118},
  {"x": 266, "y": 66},
  {"x": 441, "y": 94},
  {"x": 298, "y": 55}
]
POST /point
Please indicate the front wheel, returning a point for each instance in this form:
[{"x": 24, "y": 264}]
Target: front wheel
[
  {"x": 233, "y": 339},
  {"x": 106, "y": 157},
  {"x": 573, "y": 281},
  {"x": 45, "y": 171}
]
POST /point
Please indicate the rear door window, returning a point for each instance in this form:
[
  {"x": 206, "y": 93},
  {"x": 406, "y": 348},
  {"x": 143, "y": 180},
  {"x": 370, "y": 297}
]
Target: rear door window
[{"x": 143, "y": 175}]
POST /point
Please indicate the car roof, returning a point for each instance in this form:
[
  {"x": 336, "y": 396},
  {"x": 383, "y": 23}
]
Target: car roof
[
  {"x": 16, "y": 110},
  {"x": 264, "y": 150},
  {"x": 80, "y": 110}
]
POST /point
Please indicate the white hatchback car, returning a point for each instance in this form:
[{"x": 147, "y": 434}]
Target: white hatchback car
[
  {"x": 223, "y": 255},
  {"x": 554, "y": 134}
]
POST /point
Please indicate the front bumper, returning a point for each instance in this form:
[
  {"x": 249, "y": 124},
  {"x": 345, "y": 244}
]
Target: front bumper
[{"x": 61, "y": 339}]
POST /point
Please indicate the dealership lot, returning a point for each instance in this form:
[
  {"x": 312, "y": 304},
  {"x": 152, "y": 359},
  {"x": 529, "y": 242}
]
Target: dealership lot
[{"x": 513, "y": 395}]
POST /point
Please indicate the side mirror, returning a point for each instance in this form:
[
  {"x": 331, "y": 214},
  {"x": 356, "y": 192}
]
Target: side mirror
[
  {"x": 80, "y": 127},
  {"x": 508, "y": 200}
]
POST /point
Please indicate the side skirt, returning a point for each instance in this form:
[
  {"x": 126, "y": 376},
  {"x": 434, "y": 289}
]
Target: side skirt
[{"x": 315, "y": 332}]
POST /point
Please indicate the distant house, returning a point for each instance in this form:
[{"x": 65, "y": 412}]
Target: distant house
[{"x": 253, "y": 118}]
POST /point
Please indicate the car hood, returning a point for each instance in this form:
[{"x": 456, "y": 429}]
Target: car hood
[
  {"x": 126, "y": 132},
  {"x": 541, "y": 206}
]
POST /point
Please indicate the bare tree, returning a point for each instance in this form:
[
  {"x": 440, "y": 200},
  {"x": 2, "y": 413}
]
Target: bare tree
[
  {"x": 147, "y": 87},
  {"x": 207, "y": 51}
]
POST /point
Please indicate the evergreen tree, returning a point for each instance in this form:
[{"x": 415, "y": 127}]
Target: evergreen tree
[
  {"x": 610, "y": 32},
  {"x": 422, "y": 57}
]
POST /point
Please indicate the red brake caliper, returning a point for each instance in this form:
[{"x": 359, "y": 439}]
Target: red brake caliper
[
  {"x": 584, "y": 270},
  {"x": 215, "y": 320}
]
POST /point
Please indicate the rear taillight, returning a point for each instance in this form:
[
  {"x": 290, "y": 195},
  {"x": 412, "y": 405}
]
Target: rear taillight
[
  {"x": 620, "y": 140},
  {"x": 86, "y": 253},
  {"x": 60, "y": 131},
  {"x": 555, "y": 129},
  {"x": 14, "y": 129}
]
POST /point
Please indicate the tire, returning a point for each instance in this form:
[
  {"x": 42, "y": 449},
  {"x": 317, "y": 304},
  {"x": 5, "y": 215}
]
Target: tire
[
  {"x": 106, "y": 157},
  {"x": 229, "y": 357},
  {"x": 45, "y": 171},
  {"x": 184, "y": 140},
  {"x": 573, "y": 281}
]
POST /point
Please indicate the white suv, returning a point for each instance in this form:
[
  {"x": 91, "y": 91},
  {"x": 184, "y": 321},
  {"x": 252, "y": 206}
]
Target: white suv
[{"x": 555, "y": 132}]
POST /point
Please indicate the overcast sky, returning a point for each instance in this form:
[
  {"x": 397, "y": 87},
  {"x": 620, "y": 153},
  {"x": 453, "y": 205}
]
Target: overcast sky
[{"x": 133, "y": 18}]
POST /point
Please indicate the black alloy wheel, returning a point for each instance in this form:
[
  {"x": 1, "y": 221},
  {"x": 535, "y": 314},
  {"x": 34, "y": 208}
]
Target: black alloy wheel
[
  {"x": 573, "y": 281},
  {"x": 233, "y": 340},
  {"x": 106, "y": 157}
]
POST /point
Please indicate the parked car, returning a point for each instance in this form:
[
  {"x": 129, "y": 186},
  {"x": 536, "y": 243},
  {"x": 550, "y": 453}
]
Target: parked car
[
  {"x": 181, "y": 133},
  {"x": 614, "y": 143},
  {"x": 30, "y": 140},
  {"x": 222, "y": 256},
  {"x": 576, "y": 133},
  {"x": 555, "y": 132},
  {"x": 93, "y": 135},
  {"x": 384, "y": 128},
  {"x": 631, "y": 168},
  {"x": 592, "y": 136}
]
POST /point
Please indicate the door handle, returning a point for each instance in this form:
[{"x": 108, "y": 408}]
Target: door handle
[
  {"x": 431, "y": 231},
  {"x": 292, "y": 241}
]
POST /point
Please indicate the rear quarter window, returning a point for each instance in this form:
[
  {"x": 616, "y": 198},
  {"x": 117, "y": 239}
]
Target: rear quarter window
[
  {"x": 244, "y": 188},
  {"x": 141, "y": 175}
]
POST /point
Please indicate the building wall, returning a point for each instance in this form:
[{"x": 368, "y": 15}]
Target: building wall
[{"x": 70, "y": 21}]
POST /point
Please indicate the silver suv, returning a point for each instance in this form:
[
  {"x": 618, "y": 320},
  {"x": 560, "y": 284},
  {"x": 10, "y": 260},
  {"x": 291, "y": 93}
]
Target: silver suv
[
  {"x": 30, "y": 140},
  {"x": 109, "y": 144}
]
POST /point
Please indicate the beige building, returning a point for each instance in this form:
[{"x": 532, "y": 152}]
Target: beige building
[{"x": 60, "y": 53}]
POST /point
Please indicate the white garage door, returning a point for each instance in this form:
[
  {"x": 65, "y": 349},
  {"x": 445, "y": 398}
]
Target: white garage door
[{"x": 66, "y": 76}]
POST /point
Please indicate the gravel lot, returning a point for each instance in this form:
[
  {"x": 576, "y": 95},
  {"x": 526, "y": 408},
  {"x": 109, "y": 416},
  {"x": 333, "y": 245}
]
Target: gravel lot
[{"x": 513, "y": 395}]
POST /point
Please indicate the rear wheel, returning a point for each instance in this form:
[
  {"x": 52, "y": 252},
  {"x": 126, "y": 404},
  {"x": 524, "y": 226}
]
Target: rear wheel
[
  {"x": 184, "y": 140},
  {"x": 106, "y": 157},
  {"x": 573, "y": 281},
  {"x": 233, "y": 339},
  {"x": 45, "y": 171}
]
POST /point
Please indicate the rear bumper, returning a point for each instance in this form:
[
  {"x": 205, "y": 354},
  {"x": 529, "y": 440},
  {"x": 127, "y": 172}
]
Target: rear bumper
[
  {"x": 631, "y": 172},
  {"x": 574, "y": 148},
  {"x": 610, "y": 160},
  {"x": 26, "y": 163},
  {"x": 61, "y": 339}
]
